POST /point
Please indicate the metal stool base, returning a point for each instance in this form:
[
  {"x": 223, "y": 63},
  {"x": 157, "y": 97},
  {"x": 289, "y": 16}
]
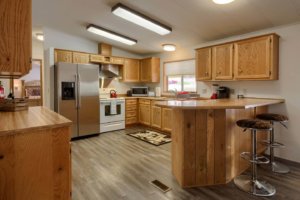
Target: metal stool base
[
  {"x": 257, "y": 188},
  {"x": 279, "y": 168}
]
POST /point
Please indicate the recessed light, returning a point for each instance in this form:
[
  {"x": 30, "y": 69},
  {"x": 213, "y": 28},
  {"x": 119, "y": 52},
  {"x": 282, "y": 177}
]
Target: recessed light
[
  {"x": 169, "y": 47},
  {"x": 40, "y": 36},
  {"x": 110, "y": 34},
  {"x": 140, "y": 19},
  {"x": 222, "y": 1}
]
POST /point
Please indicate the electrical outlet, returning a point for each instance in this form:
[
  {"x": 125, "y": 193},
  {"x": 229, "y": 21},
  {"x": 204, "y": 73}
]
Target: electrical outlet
[
  {"x": 232, "y": 91},
  {"x": 204, "y": 91}
]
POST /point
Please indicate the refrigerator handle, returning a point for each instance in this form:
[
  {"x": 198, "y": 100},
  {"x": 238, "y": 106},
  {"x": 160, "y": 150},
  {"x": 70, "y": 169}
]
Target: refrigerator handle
[
  {"x": 76, "y": 92},
  {"x": 79, "y": 95}
]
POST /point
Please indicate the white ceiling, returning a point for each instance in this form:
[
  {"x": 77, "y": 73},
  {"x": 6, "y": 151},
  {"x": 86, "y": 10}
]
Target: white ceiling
[{"x": 192, "y": 21}]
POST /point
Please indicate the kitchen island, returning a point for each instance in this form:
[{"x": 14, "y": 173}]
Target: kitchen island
[
  {"x": 206, "y": 143},
  {"x": 34, "y": 155}
]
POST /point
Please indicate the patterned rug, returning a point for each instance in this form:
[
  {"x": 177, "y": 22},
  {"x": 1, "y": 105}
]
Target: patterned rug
[{"x": 151, "y": 137}]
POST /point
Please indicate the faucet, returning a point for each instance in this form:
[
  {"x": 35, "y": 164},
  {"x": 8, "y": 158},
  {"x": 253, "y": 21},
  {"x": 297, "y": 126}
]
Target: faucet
[{"x": 174, "y": 92}]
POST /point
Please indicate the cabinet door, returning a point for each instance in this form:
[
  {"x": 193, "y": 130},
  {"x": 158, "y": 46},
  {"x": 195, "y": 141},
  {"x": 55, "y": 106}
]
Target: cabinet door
[
  {"x": 167, "y": 119},
  {"x": 16, "y": 36},
  {"x": 117, "y": 60},
  {"x": 7, "y": 168},
  {"x": 203, "y": 64},
  {"x": 223, "y": 62},
  {"x": 146, "y": 70},
  {"x": 131, "y": 70},
  {"x": 81, "y": 58},
  {"x": 252, "y": 58},
  {"x": 63, "y": 56},
  {"x": 144, "y": 114},
  {"x": 156, "y": 116}
]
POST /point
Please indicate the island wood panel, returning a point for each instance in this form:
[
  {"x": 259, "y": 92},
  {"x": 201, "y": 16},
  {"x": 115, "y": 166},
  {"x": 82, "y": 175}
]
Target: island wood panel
[
  {"x": 36, "y": 165},
  {"x": 207, "y": 144}
]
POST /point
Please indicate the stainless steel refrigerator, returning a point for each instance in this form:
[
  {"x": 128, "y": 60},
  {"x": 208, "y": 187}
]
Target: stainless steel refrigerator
[{"x": 77, "y": 96}]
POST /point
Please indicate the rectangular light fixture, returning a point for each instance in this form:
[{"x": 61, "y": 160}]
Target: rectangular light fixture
[
  {"x": 140, "y": 19},
  {"x": 110, "y": 34}
]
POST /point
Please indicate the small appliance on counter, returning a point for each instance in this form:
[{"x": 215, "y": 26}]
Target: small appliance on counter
[
  {"x": 129, "y": 93},
  {"x": 139, "y": 91},
  {"x": 223, "y": 92},
  {"x": 214, "y": 91},
  {"x": 157, "y": 91}
]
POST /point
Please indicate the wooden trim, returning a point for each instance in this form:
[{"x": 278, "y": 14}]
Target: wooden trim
[
  {"x": 41, "y": 78},
  {"x": 248, "y": 38}
]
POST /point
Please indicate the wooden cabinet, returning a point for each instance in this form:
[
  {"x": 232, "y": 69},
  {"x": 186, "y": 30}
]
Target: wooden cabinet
[
  {"x": 131, "y": 70},
  {"x": 167, "y": 119},
  {"x": 35, "y": 164},
  {"x": 117, "y": 60},
  {"x": 16, "y": 36},
  {"x": 203, "y": 64},
  {"x": 131, "y": 116},
  {"x": 144, "y": 112},
  {"x": 256, "y": 58},
  {"x": 150, "y": 70},
  {"x": 81, "y": 58},
  {"x": 222, "y": 62},
  {"x": 63, "y": 56},
  {"x": 155, "y": 115}
]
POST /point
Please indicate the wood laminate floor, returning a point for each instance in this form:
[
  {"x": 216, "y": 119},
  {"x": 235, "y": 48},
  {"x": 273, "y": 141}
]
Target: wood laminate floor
[{"x": 115, "y": 166}]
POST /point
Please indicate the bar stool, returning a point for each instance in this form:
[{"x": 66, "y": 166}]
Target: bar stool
[
  {"x": 251, "y": 184},
  {"x": 276, "y": 166}
]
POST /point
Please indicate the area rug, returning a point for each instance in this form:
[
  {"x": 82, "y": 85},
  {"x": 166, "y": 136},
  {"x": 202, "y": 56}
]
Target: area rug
[{"x": 151, "y": 137}]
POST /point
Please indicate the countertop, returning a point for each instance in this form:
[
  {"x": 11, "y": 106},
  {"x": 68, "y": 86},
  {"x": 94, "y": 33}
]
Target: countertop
[
  {"x": 35, "y": 118},
  {"x": 219, "y": 103}
]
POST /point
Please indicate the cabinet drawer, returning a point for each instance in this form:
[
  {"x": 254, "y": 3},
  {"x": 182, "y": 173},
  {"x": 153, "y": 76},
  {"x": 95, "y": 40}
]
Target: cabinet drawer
[
  {"x": 131, "y": 107},
  {"x": 131, "y": 113},
  {"x": 145, "y": 101},
  {"x": 131, "y": 102},
  {"x": 131, "y": 120}
]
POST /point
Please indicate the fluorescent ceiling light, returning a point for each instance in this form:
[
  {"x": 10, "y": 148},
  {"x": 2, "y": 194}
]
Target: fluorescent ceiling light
[
  {"x": 169, "y": 47},
  {"x": 222, "y": 1},
  {"x": 40, "y": 36},
  {"x": 110, "y": 34},
  {"x": 140, "y": 19}
]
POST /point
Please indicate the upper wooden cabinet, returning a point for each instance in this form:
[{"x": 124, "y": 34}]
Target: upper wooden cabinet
[
  {"x": 117, "y": 60},
  {"x": 81, "y": 58},
  {"x": 150, "y": 70},
  {"x": 222, "y": 62},
  {"x": 63, "y": 56},
  {"x": 248, "y": 59},
  {"x": 16, "y": 36},
  {"x": 203, "y": 64},
  {"x": 130, "y": 71},
  {"x": 257, "y": 58}
]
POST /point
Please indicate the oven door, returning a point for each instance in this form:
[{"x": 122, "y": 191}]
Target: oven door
[{"x": 107, "y": 117}]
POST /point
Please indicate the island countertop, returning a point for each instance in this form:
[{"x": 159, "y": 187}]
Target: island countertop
[
  {"x": 35, "y": 118},
  {"x": 219, "y": 103}
]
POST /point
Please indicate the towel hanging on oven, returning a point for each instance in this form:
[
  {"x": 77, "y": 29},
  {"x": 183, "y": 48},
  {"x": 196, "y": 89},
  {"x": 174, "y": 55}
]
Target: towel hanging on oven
[{"x": 113, "y": 107}]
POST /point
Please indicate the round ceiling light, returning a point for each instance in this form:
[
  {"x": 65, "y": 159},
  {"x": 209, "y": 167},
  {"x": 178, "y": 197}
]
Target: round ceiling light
[
  {"x": 169, "y": 47},
  {"x": 222, "y": 1}
]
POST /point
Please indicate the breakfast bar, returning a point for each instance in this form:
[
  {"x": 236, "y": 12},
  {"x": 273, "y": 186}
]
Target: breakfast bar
[{"x": 206, "y": 143}]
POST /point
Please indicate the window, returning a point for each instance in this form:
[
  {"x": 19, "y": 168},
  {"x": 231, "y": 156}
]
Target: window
[{"x": 181, "y": 83}]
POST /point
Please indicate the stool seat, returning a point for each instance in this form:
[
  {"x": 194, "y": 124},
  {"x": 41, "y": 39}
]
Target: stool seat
[
  {"x": 272, "y": 117},
  {"x": 254, "y": 124}
]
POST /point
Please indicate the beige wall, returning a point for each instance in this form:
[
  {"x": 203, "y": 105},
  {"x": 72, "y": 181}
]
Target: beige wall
[{"x": 286, "y": 87}]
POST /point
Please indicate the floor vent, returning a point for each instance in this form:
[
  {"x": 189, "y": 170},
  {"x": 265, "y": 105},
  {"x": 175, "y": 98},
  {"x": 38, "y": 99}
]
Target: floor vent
[{"x": 159, "y": 185}]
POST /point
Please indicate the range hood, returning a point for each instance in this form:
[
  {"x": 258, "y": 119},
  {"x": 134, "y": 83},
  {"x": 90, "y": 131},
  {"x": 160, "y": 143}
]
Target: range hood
[{"x": 109, "y": 71}]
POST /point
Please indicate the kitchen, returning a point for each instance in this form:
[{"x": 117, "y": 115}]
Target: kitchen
[{"x": 114, "y": 165}]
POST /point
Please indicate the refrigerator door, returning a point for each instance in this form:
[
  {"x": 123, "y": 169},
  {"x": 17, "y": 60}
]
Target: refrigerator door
[
  {"x": 66, "y": 92},
  {"x": 88, "y": 100}
]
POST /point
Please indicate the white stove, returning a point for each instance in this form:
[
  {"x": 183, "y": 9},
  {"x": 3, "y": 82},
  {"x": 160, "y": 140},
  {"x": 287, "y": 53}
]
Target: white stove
[{"x": 112, "y": 112}]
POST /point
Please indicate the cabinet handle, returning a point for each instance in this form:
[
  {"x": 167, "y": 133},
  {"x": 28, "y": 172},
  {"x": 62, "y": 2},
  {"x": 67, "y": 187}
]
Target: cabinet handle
[
  {"x": 206, "y": 73},
  {"x": 218, "y": 72},
  {"x": 240, "y": 70},
  {"x": 1, "y": 157}
]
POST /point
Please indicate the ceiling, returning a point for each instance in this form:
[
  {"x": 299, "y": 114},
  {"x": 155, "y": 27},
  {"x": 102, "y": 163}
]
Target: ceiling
[{"x": 192, "y": 21}]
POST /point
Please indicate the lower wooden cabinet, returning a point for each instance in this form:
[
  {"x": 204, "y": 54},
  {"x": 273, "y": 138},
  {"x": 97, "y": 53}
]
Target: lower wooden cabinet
[
  {"x": 131, "y": 116},
  {"x": 155, "y": 116},
  {"x": 36, "y": 165},
  {"x": 167, "y": 119},
  {"x": 145, "y": 113}
]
